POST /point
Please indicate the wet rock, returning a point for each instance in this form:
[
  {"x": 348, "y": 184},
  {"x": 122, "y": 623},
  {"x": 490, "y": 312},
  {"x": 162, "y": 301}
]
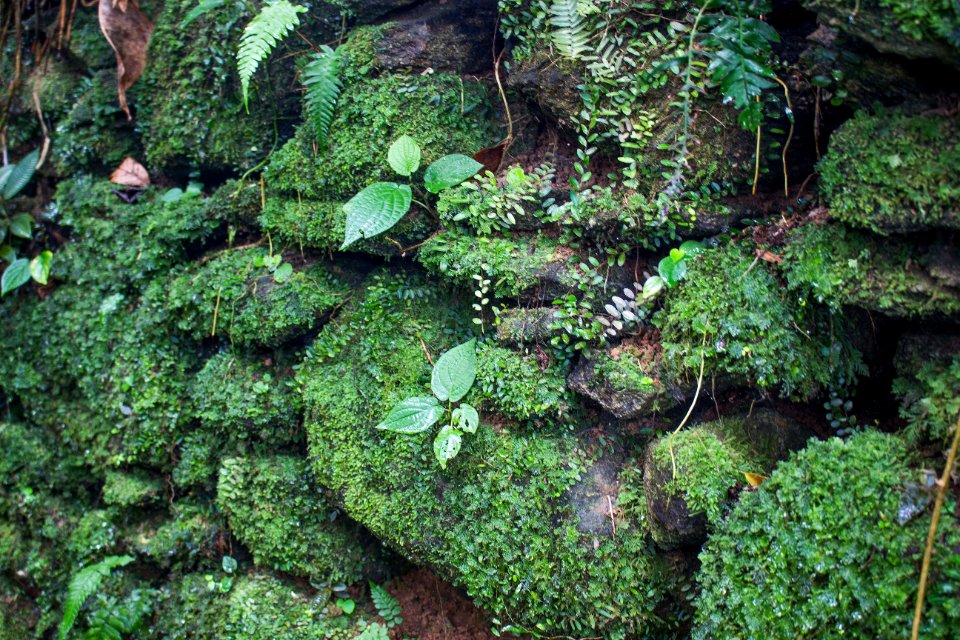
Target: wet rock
[
  {"x": 526, "y": 326},
  {"x": 550, "y": 84}
]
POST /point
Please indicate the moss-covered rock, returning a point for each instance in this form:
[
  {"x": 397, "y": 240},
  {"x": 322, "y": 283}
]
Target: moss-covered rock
[
  {"x": 519, "y": 387},
  {"x": 894, "y": 172},
  {"x": 277, "y": 510},
  {"x": 131, "y": 488},
  {"x": 928, "y": 386},
  {"x": 501, "y": 521},
  {"x": 183, "y": 541},
  {"x": 828, "y": 524},
  {"x": 835, "y": 265}
]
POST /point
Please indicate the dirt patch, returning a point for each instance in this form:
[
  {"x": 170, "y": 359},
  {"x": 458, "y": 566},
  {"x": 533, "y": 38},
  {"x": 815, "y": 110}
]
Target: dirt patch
[{"x": 434, "y": 610}]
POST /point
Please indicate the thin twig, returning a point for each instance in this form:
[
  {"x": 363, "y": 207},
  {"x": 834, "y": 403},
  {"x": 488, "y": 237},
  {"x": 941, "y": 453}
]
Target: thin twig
[
  {"x": 46, "y": 134},
  {"x": 786, "y": 145},
  {"x": 427, "y": 353},
  {"x": 696, "y": 396},
  {"x": 216, "y": 310},
  {"x": 756, "y": 163}
]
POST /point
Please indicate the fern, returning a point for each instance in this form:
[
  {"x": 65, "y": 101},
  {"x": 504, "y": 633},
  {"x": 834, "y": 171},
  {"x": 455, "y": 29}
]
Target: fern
[
  {"x": 387, "y": 606},
  {"x": 263, "y": 33},
  {"x": 321, "y": 77},
  {"x": 84, "y": 584},
  {"x": 570, "y": 33},
  {"x": 373, "y": 631}
]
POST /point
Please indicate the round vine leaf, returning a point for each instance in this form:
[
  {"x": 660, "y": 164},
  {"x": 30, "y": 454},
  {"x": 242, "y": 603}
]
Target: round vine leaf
[
  {"x": 467, "y": 418},
  {"x": 449, "y": 171},
  {"x": 40, "y": 267},
  {"x": 16, "y": 274},
  {"x": 672, "y": 271},
  {"x": 404, "y": 155},
  {"x": 413, "y": 415},
  {"x": 692, "y": 248},
  {"x": 446, "y": 445},
  {"x": 375, "y": 209},
  {"x": 652, "y": 287},
  {"x": 454, "y": 373}
]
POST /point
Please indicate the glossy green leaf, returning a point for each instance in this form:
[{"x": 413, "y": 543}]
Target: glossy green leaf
[
  {"x": 672, "y": 271},
  {"x": 404, "y": 155},
  {"x": 446, "y": 445},
  {"x": 22, "y": 226},
  {"x": 652, "y": 287},
  {"x": 5, "y": 172},
  {"x": 8, "y": 253},
  {"x": 21, "y": 174},
  {"x": 692, "y": 248},
  {"x": 40, "y": 267},
  {"x": 283, "y": 272},
  {"x": 454, "y": 373},
  {"x": 467, "y": 418},
  {"x": 375, "y": 209},
  {"x": 449, "y": 171},
  {"x": 413, "y": 415},
  {"x": 347, "y": 605},
  {"x": 16, "y": 274}
]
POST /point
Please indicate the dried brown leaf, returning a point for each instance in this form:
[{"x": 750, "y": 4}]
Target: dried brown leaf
[
  {"x": 130, "y": 173},
  {"x": 128, "y": 32}
]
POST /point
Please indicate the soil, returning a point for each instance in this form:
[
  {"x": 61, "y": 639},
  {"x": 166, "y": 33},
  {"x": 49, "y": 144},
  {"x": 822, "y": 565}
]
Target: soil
[{"x": 434, "y": 610}]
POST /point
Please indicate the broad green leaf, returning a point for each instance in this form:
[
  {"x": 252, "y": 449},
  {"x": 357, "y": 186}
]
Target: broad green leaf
[
  {"x": 449, "y": 171},
  {"x": 40, "y": 267},
  {"x": 671, "y": 271},
  {"x": 21, "y": 174},
  {"x": 446, "y": 445},
  {"x": 676, "y": 255},
  {"x": 5, "y": 172},
  {"x": 413, "y": 415},
  {"x": 8, "y": 253},
  {"x": 16, "y": 274},
  {"x": 375, "y": 209},
  {"x": 22, "y": 226},
  {"x": 283, "y": 272},
  {"x": 692, "y": 248},
  {"x": 467, "y": 418},
  {"x": 229, "y": 564},
  {"x": 454, "y": 373},
  {"x": 404, "y": 155},
  {"x": 201, "y": 9},
  {"x": 172, "y": 195}
]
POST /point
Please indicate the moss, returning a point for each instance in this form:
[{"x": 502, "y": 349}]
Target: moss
[
  {"x": 516, "y": 386},
  {"x": 250, "y": 305},
  {"x": 499, "y": 521},
  {"x": 825, "y": 525},
  {"x": 894, "y": 172},
  {"x": 838, "y": 266},
  {"x": 929, "y": 394},
  {"x": 133, "y": 488},
  {"x": 198, "y": 459},
  {"x": 95, "y": 536},
  {"x": 732, "y": 313},
  {"x": 183, "y": 541},
  {"x": 513, "y": 266},
  {"x": 277, "y": 510}
]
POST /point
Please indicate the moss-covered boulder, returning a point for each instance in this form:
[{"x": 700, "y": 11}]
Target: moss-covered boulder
[
  {"x": 501, "y": 521},
  {"x": 835, "y": 265},
  {"x": 829, "y": 524},
  {"x": 893, "y": 172},
  {"x": 131, "y": 488}
]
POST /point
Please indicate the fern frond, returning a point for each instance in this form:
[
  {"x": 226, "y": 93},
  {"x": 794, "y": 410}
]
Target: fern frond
[
  {"x": 570, "y": 33},
  {"x": 387, "y": 606},
  {"x": 84, "y": 584},
  {"x": 321, "y": 77},
  {"x": 263, "y": 33}
]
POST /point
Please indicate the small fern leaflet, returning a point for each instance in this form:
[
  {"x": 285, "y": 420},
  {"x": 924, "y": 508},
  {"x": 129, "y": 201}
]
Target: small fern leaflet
[
  {"x": 263, "y": 33},
  {"x": 386, "y": 605},
  {"x": 321, "y": 77},
  {"x": 84, "y": 584},
  {"x": 570, "y": 33}
]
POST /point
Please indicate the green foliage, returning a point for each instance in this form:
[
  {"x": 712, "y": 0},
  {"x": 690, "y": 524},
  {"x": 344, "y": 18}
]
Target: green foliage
[
  {"x": 893, "y": 172},
  {"x": 126, "y": 489},
  {"x": 449, "y": 171},
  {"x": 930, "y": 398},
  {"x": 519, "y": 388},
  {"x": 570, "y": 34},
  {"x": 84, "y": 584},
  {"x": 113, "y": 619},
  {"x": 321, "y": 77},
  {"x": 404, "y": 156},
  {"x": 272, "y": 24},
  {"x": 15, "y": 177},
  {"x": 387, "y": 606},
  {"x": 830, "y": 524}
]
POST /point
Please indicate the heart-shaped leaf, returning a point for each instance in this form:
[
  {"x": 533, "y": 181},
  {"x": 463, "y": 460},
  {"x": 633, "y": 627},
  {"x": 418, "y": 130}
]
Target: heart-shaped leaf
[
  {"x": 404, "y": 155},
  {"x": 375, "y": 209},
  {"x": 16, "y": 274},
  {"x": 283, "y": 272},
  {"x": 676, "y": 255},
  {"x": 40, "y": 267},
  {"x": 413, "y": 415},
  {"x": 449, "y": 171},
  {"x": 467, "y": 418},
  {"x": 455, "y": 371},
  {"x": 446, "y": 445},
  {"x": 346, "y": 605}
]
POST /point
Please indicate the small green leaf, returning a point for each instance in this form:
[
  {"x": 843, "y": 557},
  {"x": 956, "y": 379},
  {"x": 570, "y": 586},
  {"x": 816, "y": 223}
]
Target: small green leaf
[
  {"x": 413, "y": 415},
  {"x": 22, "y": 226},
  {"x": 455, "y": 372},
  {"x": 672, "y": 271},
  {"x": 283, "y": 272},
  {"x": 21, "y": 174},
  {"x": 40, "y": 267},
  {"x": 467, "y": 418},
  {"x": 449, "y": 171},
  {"x": 375, "y": 209},
  {"x": 16, "y": 274},
  {"x": 652, "y": 287},
  {"x": 676, "y": 255},
  {"x": 8, "y": 253},
  {"x": 172, "y": 195},
  {"x": 692, "y": 248},
  {"x": 446, "y": 445},
  {"x": 347, "y": 605},
  {"x": 229, "y": 564},
  {"x": 5, "y": 172},
  {"x": 404, "y": 155}
]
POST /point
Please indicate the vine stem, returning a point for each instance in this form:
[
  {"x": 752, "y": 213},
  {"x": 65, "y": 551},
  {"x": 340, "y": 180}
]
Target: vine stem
[
  {"x": 932, "y": 534},
  {"x": 696, "y": 396},
  {"x": 786, "y": 145}
]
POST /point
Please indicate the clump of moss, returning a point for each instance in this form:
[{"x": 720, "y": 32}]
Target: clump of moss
[
  {"x": 251, "y": 306},
  {"x": 929, "y": 393},
  {"x": 183, "y": 541},
  {"x": 838, "y": 266},
  {"x": 95, "y": 535},
  {"x": 827, "y": 525},
  {"x": 518, "y": 387},
  {"x": 277, "y": 510},
  {"x": 242, "y": 396},
  {"x": 198, "y": 459},
  {"x": 734, "y": 315},
  {"x": 894, "y": 172},
  {"x": 131, "y": 488}
]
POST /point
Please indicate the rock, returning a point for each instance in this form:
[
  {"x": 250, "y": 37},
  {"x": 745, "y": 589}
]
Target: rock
[
  {"x": 550, "y": 84},
  {"x": 526, "y": 326}
]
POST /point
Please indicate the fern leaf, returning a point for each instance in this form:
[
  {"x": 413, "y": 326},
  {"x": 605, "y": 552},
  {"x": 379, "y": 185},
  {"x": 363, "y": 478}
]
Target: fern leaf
[
  {"x": 321, "y": 77},
  {"x": 570, "y": 34},
  {"x": 263, "y": 33},
  {"x": 84, "y": 584},
  {"x": 387, "y": 606}
]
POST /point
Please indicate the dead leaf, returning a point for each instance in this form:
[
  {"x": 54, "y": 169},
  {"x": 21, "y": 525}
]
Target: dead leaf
[
  {"x": 130, "y": 173},
  {"x": 491, "y": 157},
  {"x": 128, "y": 32},
  {"x": 755, "y": 479},
  {"x": 770, "y": 256}
]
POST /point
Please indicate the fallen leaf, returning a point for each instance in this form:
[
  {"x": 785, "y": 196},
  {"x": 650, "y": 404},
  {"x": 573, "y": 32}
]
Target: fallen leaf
[
  {"x": 754, "y": 479},
  {"x": 130, "y": 173},
  {"x": 769, "y": 256},
  {"x": 128, "y": 32},
  {"x": 491, "y": 157}
]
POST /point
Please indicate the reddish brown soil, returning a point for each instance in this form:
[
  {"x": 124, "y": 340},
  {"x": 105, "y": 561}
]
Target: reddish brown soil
[{"x": 434, "y": 610}]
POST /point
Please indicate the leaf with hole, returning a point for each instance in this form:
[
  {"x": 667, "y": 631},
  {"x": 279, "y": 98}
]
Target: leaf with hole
[
  {"x": 404, "y": 156},
  {"x": 375, "y": 210},
  {"x": 449, "y": 171},
  {"x": 454, "y": 373},
  {"x": 467, "y": 418},
  {"x": 413, "y": 415},
  {"x": 446, "y": 445}
]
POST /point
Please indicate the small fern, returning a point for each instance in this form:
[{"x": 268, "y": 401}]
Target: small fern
[
  {"x": 570, "y": 33},
  {"x": 84, "y": 584},
  {"x": 373, "y": 631},
  {"x": 387, "y": 606},
  {"x": 321, "y": 77},
  {"x": 263, "y": 33}
]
